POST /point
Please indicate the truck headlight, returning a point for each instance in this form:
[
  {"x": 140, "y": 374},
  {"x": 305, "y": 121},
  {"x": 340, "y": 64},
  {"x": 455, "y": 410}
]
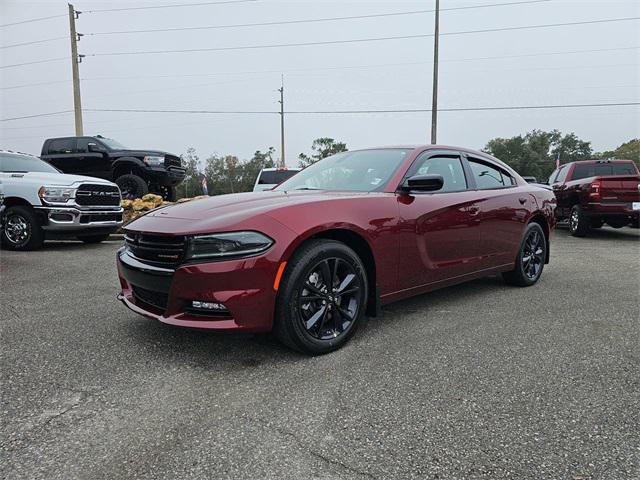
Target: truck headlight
[
  {"x": 232, "y": 244},
  {"x": 56, "y": 194},
  {"x": 153, "y": 161}
]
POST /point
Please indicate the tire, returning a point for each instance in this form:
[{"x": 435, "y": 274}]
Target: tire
[
  {"x": 22, "y": 229},
  {"x": 531, "y": 258},
  {"x": 132, "y": 186},
  {"x": 314, "y": 327},
  {"x": 168, "y": 194},
  {"x": 579, "y": 224},
  {"x": 94, "y": 238},
  {"x": 596, "y": 223},
  {"x": 618, "y": 222}
]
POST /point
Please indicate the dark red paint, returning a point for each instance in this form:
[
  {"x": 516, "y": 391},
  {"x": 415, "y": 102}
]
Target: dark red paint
[{"x": 418, "y": 242}]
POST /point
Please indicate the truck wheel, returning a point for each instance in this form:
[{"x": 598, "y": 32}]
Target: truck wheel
[
  {"x": 22, "y": 229},
  {"x": 132, "y": 186},
  {"x": 618, "y": 222},
  {"x": 168, "y": 193},
  {"x": 579, "y": 224},
  {"x": 94, "y": 238}
]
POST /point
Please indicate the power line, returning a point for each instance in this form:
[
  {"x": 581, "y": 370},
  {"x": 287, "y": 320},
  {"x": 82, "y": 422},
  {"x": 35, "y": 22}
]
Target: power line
[
  {"x": 312, "y": 20},
  {"x": 34, "y": 42},
  {"x": 169, "y": 6},
  {"x": 358, "y": 40},
  {"x": 36, "y": 115},
  {"x": 31, "y": 20},
  {"x": 35, "y": 62},
  {"x": 39, "y": 84},
  {"x": 410, "y": 110}
]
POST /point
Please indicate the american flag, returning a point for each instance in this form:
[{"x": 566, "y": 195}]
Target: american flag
[
  {"x": 203, "y": 182},
  {"x": 558, "y": 160}
]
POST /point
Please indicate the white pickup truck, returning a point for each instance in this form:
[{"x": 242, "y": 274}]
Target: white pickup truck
[{"x": 42, "y": 203}]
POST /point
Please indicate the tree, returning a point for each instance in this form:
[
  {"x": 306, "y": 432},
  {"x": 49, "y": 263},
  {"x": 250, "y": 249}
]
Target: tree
[
  {"x": 251, "y": 168},
  {"x": 321, "y": 148},
  {"x": 190, "y": 186},
  {"x": 535, "y": 153},
  {"x": 627, "y": 151}
]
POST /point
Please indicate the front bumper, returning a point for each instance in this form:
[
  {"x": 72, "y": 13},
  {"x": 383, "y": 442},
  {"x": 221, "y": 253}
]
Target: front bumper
[
  {"x": 63, "y": 219},
  {"x": 168, "y": 176},
  {"x": 244, "y": 286}
]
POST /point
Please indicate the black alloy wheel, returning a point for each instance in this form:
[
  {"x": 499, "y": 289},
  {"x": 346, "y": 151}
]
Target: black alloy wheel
[
  {"x": 329, "y": 299},
  {"x": 321, "y": 298},
  {"x": 531, "y": 258},
  {"x": 132, "y": 186}
]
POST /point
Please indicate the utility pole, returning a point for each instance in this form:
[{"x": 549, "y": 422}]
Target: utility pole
[
  {"x": 434, "y": 100},
  {"x": 281, "y": 101},
  {"x": 75, "y": 61}
]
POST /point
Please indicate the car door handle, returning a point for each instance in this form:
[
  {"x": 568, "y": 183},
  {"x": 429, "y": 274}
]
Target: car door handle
[
  {"x": 474, "y": 210},
  {"x": 522, "y": 200}
]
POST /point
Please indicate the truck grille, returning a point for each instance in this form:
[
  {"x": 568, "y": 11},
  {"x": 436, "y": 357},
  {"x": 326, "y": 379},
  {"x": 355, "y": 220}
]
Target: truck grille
[
  {"x": 155, "y": 299},
  {"x": 98, "y": 195},
  {"x": 101, "y": 217},
  {"x": 156, "y": 249},
  {"x": 171, "y": 161}
]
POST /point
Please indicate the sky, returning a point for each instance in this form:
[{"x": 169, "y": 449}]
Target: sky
[{"x": 524, "y": 67}]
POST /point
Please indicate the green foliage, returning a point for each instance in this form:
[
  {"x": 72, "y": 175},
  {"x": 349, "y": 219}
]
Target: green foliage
[
  {"x": 627, "y": 151},
  {"x": 190, "y": 186},
  {"x": 321, "y": 148},
  {"x": 535, "y": 153}
]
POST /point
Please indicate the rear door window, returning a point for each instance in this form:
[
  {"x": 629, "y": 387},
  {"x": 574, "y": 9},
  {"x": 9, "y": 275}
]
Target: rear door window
[
  {"x": 489, "y": 176},
  {"x": 62, "y": 146}
]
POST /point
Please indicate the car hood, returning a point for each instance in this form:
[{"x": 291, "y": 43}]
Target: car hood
[
  {"x": 225, "y": 211},
  {"x": 57, "y": 179}
]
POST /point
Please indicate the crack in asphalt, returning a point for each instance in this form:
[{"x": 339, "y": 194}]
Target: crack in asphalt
[{"x": 307, "y": 449}]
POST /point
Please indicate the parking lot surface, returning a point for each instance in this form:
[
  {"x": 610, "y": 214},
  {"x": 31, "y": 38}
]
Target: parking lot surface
[{"x": 478, "y": 380}]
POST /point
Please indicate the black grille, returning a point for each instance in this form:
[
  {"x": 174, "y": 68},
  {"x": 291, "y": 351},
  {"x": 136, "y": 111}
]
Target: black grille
[
  {"x": 171, "y": 161},
  {"x": 156, "y": 249},
  {"x": 155, "y": 299},
  {"x": 98, "y": 195},
  {"x": 101, "y": 217}
]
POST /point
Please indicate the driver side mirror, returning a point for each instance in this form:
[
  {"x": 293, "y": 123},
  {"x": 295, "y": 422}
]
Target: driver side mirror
[
  {"x": 423, "y": 183},
  {"x": 95, "y": 148}
]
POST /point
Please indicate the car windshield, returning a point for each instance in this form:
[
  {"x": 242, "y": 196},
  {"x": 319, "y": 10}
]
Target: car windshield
[
  {"x": 112, "y": 143},
  {"x": 361, "y": 171},
  {"x": 15, "y": 163}
]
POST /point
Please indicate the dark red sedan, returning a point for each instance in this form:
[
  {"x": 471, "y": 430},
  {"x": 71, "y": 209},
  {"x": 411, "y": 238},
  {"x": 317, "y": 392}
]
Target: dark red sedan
[{"x": 354, "y": 231}]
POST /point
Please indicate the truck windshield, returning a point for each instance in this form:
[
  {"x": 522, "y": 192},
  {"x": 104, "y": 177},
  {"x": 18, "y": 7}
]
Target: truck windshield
[
  {"x": 603, "y": 170},
  {"x": 361, "y": 171},
  {"x": 112, "y": 144},
  {"x": 16, "y": 163}
]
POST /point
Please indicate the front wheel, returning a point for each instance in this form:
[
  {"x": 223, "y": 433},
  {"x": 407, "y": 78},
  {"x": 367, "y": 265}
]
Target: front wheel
[
  {"x": 531, "y": 258},
  {"x": 22, "y": 230},
  {"x": 132, "y": 186},
  {"x": 322, "y": 297}
]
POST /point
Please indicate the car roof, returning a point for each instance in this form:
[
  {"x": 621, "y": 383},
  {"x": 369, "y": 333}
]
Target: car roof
[
  {"x": 18, "y": 153},
  {"x": 603, "y": 160},
  {"x": 270, "y": 169}
]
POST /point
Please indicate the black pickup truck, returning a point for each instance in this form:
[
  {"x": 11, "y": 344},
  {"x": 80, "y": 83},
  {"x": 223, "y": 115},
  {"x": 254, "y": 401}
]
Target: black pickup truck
[{"x": 136, "y": 172}]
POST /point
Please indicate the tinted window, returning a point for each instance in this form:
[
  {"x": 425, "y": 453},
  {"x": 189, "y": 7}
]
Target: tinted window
[
  {"x": 82, "y": 144},
  {"x": 583, "y": 170},
  {"x": 11, "y": 162},
  {"x": 562, "y": 174},
  {"x": 109, "y": 142},
  {"x": 273, "y": 177},
  {"x": 62, "y": 145},
  {"x": 450, "y": 169},
  {"x": 362, "y": 170},
  {"x": 488, "y": 176}
]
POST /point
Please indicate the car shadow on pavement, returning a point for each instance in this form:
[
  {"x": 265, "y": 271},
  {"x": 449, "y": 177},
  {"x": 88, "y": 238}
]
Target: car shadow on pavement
[{"x": 625, "y": 234}]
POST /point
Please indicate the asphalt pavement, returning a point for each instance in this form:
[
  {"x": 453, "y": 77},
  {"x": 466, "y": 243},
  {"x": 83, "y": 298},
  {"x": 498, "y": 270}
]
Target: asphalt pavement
[{"x": 480, "y": 380}]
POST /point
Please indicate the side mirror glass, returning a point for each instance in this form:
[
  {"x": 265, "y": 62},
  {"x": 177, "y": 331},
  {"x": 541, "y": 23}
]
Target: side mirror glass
[{"x": 423, "y": 183}]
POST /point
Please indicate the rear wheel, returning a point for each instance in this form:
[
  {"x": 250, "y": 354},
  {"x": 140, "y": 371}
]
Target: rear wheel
[
  {"x": 22, "y": 230},
  {"x": 94, "y": 238},
  {"x": 132, "y": 186},
  {"x": 578, "y": 222},
  {"x": 322, "y": 298},
  {"x": 531, "y": 258}
]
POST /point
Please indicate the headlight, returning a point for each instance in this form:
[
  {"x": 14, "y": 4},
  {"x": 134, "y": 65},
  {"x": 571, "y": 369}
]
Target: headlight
[
  {"x": 153, "y": 161},
  {"x": 233, "y": 244},
  {"x": 56, "y": 194}
]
